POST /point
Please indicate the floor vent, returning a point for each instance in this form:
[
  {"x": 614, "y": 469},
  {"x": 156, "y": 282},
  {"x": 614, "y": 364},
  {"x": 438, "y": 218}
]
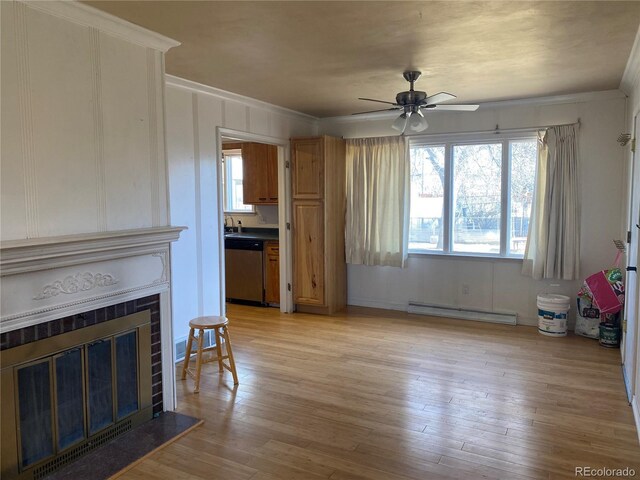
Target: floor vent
[
  {"x": 462, "y": 313},
  {"x": 68, "y": 457},
  {"x": 181, "y": 345}
]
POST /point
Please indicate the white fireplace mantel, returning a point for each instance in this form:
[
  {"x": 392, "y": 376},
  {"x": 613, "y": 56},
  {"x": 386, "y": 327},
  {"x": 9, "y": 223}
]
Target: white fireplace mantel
[{"x": 47, "y": 278}]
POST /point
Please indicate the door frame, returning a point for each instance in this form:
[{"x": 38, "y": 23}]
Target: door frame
[
  {"x": 630, "y": 359},
  {"x": 284, "y": 211}
]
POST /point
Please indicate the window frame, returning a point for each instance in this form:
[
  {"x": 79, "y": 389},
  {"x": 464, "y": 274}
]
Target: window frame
[
  {"x": 448, "y": 141},
  {"x": 226, "y": 192}
]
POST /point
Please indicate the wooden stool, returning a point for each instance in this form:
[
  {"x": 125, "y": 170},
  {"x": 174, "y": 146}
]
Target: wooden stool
[{"x": 219, "y": 326}]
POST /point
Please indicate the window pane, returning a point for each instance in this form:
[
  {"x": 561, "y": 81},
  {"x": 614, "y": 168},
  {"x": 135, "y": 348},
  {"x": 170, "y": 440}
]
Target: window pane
[
  {"x": 233, "y": 185},
  {"x": 523, "y": 155},
  {"x": 476, "y": 199},
  {"x": 427, "y": 198}
]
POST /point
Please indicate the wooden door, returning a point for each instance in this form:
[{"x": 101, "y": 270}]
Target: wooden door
[
  {"x": 308, "y": 252},
  {"x": 307, "y": 172},
  {"x": 272, "y": 272}
]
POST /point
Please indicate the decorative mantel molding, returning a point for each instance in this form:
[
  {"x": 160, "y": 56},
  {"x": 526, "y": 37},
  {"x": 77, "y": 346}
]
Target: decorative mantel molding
[
  {"x": 19, "y": 256},
  {"x": 80, "y": 282},
  {"x": 47, "y": 278}
]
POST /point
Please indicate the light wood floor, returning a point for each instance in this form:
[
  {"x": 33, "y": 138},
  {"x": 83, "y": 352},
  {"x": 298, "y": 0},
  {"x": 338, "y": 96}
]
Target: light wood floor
[{"x": 372, "y": 394}]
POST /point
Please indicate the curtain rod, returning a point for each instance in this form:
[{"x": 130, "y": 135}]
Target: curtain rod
[{"x": 499, "y": 130}]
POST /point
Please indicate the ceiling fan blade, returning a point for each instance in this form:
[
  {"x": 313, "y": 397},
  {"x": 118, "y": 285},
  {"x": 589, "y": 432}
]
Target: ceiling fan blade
[
  {"x": 373, "y": 111},
  {"x": 438, "y": 98},
  {"x": 374, "y": 100},
  {"x": 458, "y": 108}
]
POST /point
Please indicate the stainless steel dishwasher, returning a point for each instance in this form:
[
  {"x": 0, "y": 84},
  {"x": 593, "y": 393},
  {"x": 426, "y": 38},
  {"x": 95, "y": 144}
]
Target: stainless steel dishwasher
[{"x": 244, "y": 276}]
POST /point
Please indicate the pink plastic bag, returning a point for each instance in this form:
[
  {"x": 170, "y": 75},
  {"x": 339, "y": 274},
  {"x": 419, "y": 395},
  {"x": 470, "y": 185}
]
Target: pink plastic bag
[{"x": 607, "y": 289}]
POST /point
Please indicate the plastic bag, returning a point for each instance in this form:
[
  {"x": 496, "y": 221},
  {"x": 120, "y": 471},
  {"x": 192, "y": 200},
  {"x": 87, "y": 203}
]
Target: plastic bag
[
  {"x": 607, "y": 289},
  {"x": 588, "y": 317}
]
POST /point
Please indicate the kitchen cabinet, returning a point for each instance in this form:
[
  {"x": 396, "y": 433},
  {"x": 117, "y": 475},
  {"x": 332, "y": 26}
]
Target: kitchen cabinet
[
  {"x": 259, "y": 174},
  {"x": 318, "y": 222},
  {"x": 308, "y": 245},
  {"x": 272, "y": 272}
]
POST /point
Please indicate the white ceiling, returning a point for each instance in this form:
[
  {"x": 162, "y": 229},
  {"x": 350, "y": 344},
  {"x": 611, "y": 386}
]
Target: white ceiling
[{"x": 318, "y": 57}]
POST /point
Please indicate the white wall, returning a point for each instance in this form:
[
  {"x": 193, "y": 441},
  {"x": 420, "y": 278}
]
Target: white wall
[
  {"x": 82, "y": 122},
  {"x": 265, "y": 216},
  {"x": 193, "y": 112},
  {"x": 496, "y": 284}
]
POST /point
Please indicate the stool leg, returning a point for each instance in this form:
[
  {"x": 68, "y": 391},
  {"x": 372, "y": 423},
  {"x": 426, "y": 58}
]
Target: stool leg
[
  {"x": 187, "y": 354},
  {"x": 199, "y": 359},
  {"x": 219, "y": 350},
  {"x": 232, "y": 363}
]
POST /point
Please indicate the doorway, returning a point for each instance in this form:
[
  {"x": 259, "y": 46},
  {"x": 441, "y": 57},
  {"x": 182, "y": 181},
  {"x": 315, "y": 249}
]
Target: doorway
[
  {"x": 254, "y": 210},
  {"x": 629, "y": 347}
]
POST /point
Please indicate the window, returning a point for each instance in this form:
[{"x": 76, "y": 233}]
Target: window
[
  {"x": 472, "y": 197},
  {"x": 232, "y": 183}
]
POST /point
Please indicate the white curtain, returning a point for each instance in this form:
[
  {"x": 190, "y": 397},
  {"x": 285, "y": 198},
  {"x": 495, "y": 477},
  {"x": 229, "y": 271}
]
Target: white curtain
[
  {"x": 553, "y": 244},
  {"x": 377, "y": 207}
]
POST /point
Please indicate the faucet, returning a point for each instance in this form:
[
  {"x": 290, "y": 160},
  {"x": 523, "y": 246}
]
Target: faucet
[{"x": 232, "y": 221}]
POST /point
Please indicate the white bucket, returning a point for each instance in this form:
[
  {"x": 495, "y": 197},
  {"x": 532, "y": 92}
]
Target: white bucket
[{"x": 552, "y": 314}]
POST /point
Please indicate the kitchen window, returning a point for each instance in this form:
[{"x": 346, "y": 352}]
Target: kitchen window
[
  {"x": 472, "y": 196},
  {"x": 232, "y": 183}
]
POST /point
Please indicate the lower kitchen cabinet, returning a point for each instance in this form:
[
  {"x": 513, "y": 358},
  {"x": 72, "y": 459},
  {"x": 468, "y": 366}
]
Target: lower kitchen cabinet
[{"x": 272, "y": 272}]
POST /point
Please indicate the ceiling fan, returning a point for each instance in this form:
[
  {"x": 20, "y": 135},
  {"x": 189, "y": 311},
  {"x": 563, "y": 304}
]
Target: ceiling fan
[{"x": 413, "y": 102}]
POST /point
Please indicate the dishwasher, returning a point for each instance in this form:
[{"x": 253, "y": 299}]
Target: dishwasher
[{"x": 244, "y": 276}]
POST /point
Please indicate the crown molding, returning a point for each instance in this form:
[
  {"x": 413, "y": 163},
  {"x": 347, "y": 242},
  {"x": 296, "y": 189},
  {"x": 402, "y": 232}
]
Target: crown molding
[
  {"x": 178, "y": 82},
  {"x": 533, "y": 102},
  {"x": 631, "y": 75},
  {"x": 92, "y": 17}
]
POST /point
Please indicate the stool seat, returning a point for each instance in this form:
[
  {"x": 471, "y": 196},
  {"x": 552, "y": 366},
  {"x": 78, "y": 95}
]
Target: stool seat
[
  {"x": 219, "y": 325},
  {"x": 207, "y": 322}
]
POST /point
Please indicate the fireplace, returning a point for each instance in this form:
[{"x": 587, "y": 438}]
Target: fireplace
[
  {"x": 65, "y": 395},
  {"x": 85, "y": 331}
]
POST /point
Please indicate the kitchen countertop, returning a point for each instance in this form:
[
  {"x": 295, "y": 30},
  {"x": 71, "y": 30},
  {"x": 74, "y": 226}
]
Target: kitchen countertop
[{"x": 248, "y": 233}]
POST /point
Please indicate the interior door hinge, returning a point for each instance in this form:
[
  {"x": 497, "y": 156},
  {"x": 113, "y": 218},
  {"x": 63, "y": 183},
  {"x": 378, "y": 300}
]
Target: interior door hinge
[
  {"x": 633, "y": 145},
  {"x": 288, "y": 286},
  {"x": 629, "y": 236},
  {"x": 288, "y": 226}
]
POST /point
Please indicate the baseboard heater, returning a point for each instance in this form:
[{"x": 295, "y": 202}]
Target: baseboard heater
[{"x": 462, "y": 313}]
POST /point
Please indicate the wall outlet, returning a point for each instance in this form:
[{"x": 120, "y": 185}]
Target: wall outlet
[{"x": 465, "y": 289}]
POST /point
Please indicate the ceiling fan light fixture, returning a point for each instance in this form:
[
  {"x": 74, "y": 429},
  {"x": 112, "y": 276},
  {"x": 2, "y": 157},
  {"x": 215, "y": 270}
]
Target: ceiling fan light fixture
[
  {"x": 417, "y": 123},
  {"x": 400, "y": 123}
]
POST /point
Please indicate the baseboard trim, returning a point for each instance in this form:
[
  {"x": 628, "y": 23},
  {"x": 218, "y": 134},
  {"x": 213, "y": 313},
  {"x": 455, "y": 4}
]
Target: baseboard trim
[
  {"x": 635, "y": 406},
  {"x": 365, "y": 302},
  {"x": 402, "y": 307},
  {"x": 528, "y": 321},
  {"x": 447, "y": 311}
]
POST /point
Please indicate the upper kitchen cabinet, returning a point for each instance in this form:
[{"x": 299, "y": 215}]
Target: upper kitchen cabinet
[
  {"x": 307, "y": 159},
  {"x": 318, "y": 186},
  {"x": 259, "y": 174}
]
